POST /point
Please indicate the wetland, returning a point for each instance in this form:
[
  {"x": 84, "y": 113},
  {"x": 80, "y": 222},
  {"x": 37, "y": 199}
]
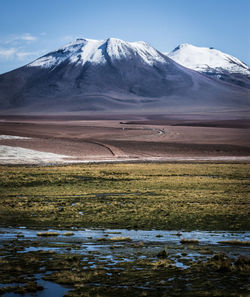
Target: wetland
[{"x": 124, "y": 230}]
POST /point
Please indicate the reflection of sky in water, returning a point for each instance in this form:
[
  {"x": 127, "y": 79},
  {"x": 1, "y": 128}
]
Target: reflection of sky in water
[
  {"x": 204, "y": 237},
  {"x": 50, "y": 289},
  {"x": 85, "y": 242}
]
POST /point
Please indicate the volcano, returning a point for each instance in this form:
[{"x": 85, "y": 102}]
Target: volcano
[
  {"x": 212, "y": 63},
  {"x": 114, "y": 76}
]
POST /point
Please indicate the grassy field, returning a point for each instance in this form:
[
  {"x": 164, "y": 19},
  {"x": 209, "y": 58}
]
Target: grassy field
[{"x": 143, "y": 196}]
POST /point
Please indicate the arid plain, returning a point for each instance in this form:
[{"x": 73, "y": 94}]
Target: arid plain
[{"x": 134, "y": 138}]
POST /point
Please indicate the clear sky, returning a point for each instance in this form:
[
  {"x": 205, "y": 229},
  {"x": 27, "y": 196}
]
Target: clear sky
[{"x": 31, "y": 28}]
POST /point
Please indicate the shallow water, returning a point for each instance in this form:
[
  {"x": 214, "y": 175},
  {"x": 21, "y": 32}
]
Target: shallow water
[
  {"x": 204, "y": 237},
  {"x": 50, "y": 289},
  {"x": 99, "y": 242},
  {"x": 97, "y": 248}
]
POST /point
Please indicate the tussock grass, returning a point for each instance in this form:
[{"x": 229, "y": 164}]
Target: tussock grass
[
  {"x": 145, "y": 196},
  {"x": 236, "y": 242},
  {"x": 47, "y": 234},
  {"x": 68, "y": 234},
  {"x": 166, "y": 263},
  {"x": 189, "y": 241},
  {"x": 120, "y": 238}
]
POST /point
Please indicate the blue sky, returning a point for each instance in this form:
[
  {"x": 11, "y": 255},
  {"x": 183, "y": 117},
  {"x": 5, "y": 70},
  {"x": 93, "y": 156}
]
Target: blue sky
[{"x": 31, "y": 28}]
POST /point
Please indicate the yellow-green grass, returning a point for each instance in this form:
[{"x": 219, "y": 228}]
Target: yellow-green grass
[
  {"x": 236, "y": 242},
  {"x": 161, "y": 196},
  {"x": 189, "y": 241},
  {"x": 47, "y": 234}
]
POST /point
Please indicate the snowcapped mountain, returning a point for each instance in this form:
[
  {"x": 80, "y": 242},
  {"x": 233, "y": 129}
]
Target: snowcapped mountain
[
  {"x": 83, "y": 51},
  {"x": 212, "y": 62},
  {"x": 112, "y": 75}
]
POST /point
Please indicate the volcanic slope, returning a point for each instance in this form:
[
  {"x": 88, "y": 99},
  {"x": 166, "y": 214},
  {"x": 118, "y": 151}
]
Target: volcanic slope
[
  {"x": 113, "y": 75},
  {"x": 213, "y": 63}
]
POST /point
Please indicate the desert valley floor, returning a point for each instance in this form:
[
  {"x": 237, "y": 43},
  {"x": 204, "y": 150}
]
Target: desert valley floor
[{"x": 123, "y": 138}]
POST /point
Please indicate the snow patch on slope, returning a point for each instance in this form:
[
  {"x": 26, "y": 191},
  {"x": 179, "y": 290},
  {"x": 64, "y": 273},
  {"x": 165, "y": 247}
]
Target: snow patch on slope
[
  {"x": 46, "y": 62},
  {"x": 205, "y": 59},
  {"x": 53, "y": 59},
  {"x": 119, "y": 49},
  {"x": 90, "y": 52},
  {"x": 148, "y": 53}
]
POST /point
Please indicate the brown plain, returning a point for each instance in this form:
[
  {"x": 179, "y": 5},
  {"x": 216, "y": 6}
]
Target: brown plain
[{"x": 123, "y": 137}]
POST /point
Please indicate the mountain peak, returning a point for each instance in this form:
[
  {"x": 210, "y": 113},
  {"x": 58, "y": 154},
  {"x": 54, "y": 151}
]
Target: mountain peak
[
  {"x": 213, "y": 63},
  {"x": 181, "y": 46},
  {"x": 203, "y": 59},
  {"x": 115, "y": 40}
]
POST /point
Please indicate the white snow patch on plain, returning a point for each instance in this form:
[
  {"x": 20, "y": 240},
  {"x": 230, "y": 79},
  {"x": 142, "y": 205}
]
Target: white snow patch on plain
[
  {"x": 12, "y": 137},
  {"x": 18, "y": 155},
  {"x": 203, "y": 58}
]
